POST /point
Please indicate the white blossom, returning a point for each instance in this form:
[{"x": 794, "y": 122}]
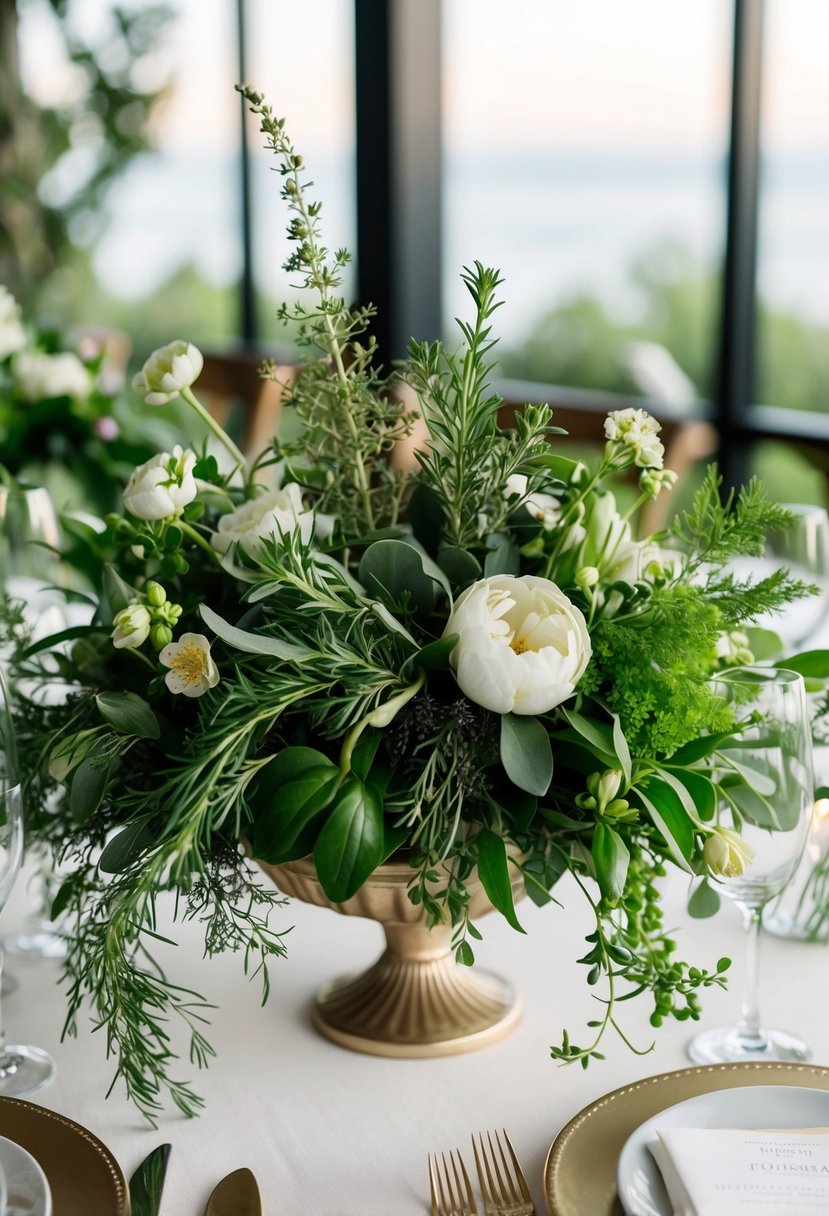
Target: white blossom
[
  {"x": 40, "y": 377},
  {"x": 276, "y": 513},
  {"x": 635, "y": 436},
  {"x": 162, "y": 486},
  {"x": 727, "y": 854},
  {"x": 167, "y": 371},
  {"x": 543, "y": 507},
  {"x": 523, "y": 646},
  {"x": 192, "y": 670},
  {"x": 636, "y": 561},
  {"x": 12, "y": 334},
  {"x": 131, "y": 627}
]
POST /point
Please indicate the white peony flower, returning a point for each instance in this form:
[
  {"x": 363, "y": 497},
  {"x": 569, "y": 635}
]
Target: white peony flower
[
  {"x": 276, "y": 513},
  {"x": 636, "y": 561},
  {"x": 39, "y": 377},
  {"x": 162, "y": 486},
  {"x": 192, "y": 670},
  {"x": 167, "y": 371},
  {"x": 523, "y": 646},
  {"x": 131, "y": 627},
  {"x": 635, "y": 434},
  {"x": 12, "y": 334}
]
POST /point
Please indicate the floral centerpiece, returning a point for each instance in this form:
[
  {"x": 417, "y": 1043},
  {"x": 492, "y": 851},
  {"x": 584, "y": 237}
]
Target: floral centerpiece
[{"x": 470, "y": 664}]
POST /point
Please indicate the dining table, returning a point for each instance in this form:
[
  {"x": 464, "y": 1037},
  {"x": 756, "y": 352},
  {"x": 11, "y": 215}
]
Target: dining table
[{"x": 331, "y": 1132}]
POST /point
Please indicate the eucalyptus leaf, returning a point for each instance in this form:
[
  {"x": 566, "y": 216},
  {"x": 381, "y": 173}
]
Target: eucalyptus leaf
[
  {"x": 122, "y": 850},
  {"x": 704, "y": 901},
  {"x": 493, "y": 871},
  {"x": 393, "y": 571},
  {"x": 253, "y": 643},
  {"x": 599, "y": 736},
  {"x": 504, "y": 559},
  {"x": 129, "y": 714},
  {"x": 460, "y": 567},
  {"x": 435, "y": 655},
  {"x": 526, "y": 753},
  {"x": 86, "y": 792}
]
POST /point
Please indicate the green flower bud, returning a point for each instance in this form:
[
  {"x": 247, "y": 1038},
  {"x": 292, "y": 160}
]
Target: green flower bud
[
  {"x": 161, "y": 636},
  {"x": 168, "y": 614},
  {"x": 156, "y": 595},
  {"x": 588, "y": 576}
]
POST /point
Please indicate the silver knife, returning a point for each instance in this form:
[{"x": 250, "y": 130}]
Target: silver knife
[
  {"x": 147, "y": 1182},
  {"x": 236, "y": 1195}
]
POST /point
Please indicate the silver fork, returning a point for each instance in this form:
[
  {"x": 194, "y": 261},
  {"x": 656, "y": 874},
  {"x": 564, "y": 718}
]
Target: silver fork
[
  {"x": 501, "y": 1178},
  {"x": 450, "y": 1187}
]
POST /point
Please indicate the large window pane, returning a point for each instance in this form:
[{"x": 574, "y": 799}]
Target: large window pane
[
  {"x": 585, "y": 150},
  {"x": 793, "y": 283},
  {"x": 164, "y": 244},
  {"x": 302, "y": 58}
]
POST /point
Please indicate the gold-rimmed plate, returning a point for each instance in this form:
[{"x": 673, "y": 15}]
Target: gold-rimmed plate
[
  {"x": 83, "y": 1175},
  {"x": 580, "y": 1174}
]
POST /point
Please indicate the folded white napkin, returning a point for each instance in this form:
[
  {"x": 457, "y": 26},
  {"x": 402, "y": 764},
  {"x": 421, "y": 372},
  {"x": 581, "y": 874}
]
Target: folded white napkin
[{"x": 728, "y": 1172}]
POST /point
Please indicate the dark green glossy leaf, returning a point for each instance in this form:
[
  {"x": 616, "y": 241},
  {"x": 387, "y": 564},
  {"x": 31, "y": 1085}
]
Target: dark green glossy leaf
[
  {"x": 281, "y": 817},
  {"x": 350, "y": 845},
  {"x": 435, "y": 656},
  {"x": 147, "y": 1183},
  {"x": 669, "y": 816},
  {"x": 598, "y": 735},
  {"x": 699, "y": 788},
  {"x": 526, "y": 753},
  {"x": 494, "y": 873},
  {"x": 459, "y": 566},
  {"x": 811, "y": 663},
  {"x": 503, "y": 559}
]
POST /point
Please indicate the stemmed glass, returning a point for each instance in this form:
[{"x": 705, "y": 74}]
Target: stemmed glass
[
  {"x": 23, "y": 1069},
  {"x": 804, "y": 550},
  {"x": 770, "y": 810},
  {"x": 30, "y": 538}
]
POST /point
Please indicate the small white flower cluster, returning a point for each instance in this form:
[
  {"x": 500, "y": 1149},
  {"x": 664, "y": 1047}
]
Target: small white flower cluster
[
  {"x": 42, "y": 377},
  {"x": 633, "y": 438},
  {"x": 12, "y": 333}
]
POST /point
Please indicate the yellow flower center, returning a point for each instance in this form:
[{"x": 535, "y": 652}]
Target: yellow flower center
[
  {"x": 189, "y": 663},
  {"x": 519, "y": 645}
]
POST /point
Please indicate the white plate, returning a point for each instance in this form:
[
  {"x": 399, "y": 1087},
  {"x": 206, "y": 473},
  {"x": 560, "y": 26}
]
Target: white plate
[
  {"x": 639, "y": 1182},
  {"x": 28, "y": 1190}
]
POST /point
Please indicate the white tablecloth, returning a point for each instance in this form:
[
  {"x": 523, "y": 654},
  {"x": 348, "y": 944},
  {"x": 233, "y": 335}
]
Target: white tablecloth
[{"x": 334, "y": 1133}]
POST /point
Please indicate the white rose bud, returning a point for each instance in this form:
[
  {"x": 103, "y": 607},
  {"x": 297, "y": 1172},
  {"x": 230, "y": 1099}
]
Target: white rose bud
[
  {"x": 131, "y": 627},
  {"x": 274, "y": 514},
  {"x": 167, "y": 371},
  {"x": 543, "y": 507},
  {"x": 523, "y": 646},
  {"x": 162, "y": 486}
]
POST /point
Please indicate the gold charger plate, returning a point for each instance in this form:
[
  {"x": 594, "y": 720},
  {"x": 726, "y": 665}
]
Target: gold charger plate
[
  {"x": 84, "y": 1177},
  {"x": 580, "y": 1173}
]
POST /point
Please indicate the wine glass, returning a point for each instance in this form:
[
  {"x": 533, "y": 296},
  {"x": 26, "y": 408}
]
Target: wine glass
[
  {"x": 23, "y": 1069},
  {"x": 31, "y": 572},
  {"x": 770, "y": 810}
]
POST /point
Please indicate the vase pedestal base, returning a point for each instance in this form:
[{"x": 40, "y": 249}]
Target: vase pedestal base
[{"x": 416, "y": 1002}]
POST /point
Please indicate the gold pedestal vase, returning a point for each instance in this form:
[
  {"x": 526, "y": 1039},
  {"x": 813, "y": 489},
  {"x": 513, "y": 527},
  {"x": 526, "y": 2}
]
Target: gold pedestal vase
[{"x": 415, "y": 1001}]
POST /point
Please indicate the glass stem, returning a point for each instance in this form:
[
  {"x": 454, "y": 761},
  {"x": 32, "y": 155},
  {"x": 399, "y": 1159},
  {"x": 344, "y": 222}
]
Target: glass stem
[
  {"x": 8, "y": 1064},
  {"x": 751, "y": 1037}
]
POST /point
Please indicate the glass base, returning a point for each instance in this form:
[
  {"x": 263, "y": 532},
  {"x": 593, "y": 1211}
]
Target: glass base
[
  {"x": 723, "y": 1045},
  {"x": 25, "y": 1070},
  {"x": 782, "y": 924},
  {"x": 40, "y": 944}
]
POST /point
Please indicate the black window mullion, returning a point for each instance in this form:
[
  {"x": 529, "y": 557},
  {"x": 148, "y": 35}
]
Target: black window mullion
[{"x": 735, "y": 381}]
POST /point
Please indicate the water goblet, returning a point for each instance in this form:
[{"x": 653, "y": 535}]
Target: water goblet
[{"x": 765, "y": 787}]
